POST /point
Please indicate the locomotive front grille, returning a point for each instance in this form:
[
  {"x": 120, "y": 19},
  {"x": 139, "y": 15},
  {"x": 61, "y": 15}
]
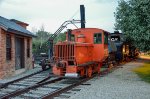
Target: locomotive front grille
[{"x": 64, "y": 52}]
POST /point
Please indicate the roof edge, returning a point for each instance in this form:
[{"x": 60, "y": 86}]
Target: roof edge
[
  {"x": 17, "y": 21},
  {"x": 18, "y": 32}
]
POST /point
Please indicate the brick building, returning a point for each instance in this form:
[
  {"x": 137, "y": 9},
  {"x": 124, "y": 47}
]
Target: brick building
[{"x": 15, "y": 47}]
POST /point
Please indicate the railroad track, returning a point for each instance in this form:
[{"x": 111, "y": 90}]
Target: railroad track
[
  {"x": 24, "y": 82},
  {"x": 3, "y": 85},
  {"x": 48, "y": 88}
]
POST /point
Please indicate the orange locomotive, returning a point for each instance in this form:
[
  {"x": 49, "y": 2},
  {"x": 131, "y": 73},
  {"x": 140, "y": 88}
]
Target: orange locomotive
[
  {"x": 84, "y": 51},
  {"x": 82, "y": 54}
]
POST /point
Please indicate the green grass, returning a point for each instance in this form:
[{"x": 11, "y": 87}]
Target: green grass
[{"x": 143, "y": 72}]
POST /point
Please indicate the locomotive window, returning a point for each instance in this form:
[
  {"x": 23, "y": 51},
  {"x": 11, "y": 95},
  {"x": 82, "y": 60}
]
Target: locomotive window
[
  {"x": 105, "y": 38},
  {"x": 97, "y": 38}
]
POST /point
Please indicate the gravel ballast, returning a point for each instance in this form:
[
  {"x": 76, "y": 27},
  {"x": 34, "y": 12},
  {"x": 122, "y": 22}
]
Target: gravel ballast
[{"x": 122, "y": 83}]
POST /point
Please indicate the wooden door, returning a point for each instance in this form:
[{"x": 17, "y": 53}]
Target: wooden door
[{"x": 19, "y": 53}]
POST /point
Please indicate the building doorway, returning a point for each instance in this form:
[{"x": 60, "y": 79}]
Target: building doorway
[{"x": 19, "y": 53}]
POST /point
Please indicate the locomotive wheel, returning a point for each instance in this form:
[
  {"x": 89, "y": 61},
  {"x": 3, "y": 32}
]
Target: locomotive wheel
[
  {"x": 89, "y": 72},
  {"x": 82, "y": 72}
]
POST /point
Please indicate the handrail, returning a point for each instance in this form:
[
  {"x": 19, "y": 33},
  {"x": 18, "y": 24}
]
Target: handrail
[{"x": 53, "y": 36}]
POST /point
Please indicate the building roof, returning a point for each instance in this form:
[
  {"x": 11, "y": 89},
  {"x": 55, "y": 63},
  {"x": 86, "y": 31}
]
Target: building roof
[
  {"x": 13, "y": 27},
  {"x": 17, "y": 21}
]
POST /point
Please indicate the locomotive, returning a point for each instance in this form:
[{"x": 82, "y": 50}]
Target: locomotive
[
  {"x": 86, "y": 50},
  {"x": 125, "y": 50},
  {"x": 83, "y": 53}
]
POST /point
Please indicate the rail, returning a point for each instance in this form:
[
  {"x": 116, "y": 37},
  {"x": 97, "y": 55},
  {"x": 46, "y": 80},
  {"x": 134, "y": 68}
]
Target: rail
[{"x": 19, "y": 79}]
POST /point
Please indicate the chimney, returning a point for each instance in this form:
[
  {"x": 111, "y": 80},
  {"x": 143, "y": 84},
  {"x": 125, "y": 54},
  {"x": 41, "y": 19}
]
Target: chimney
[{"x": 23, "y": 24}]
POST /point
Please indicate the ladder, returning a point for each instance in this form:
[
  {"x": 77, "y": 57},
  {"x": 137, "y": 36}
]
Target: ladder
[{"x": 58, "y": 31}]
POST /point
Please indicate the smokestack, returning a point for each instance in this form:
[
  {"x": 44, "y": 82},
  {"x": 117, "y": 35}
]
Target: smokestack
[{"x": 82, "y": 15}]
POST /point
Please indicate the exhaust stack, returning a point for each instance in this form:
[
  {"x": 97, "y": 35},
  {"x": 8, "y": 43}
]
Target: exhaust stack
[{"x": 82, "y": 15}]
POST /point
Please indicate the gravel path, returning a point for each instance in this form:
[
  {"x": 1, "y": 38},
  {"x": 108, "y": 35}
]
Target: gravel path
[{"x": 120, "y": 84}]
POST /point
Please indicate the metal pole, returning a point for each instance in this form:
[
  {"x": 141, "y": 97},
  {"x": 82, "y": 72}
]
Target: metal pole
[
  {"x": 82, "y": 15},
  {"x": 69, "y": 34}
]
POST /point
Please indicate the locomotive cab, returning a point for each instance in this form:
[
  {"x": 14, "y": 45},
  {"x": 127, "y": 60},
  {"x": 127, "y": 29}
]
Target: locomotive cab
[{"x": 84, "y": 55}]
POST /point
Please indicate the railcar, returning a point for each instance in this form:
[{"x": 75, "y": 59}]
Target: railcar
[{"x": 125, "y": 50}]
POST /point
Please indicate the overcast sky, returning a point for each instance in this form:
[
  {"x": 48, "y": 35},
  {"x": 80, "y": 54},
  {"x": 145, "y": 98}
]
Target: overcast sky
[{"x": 52, "y": 13}]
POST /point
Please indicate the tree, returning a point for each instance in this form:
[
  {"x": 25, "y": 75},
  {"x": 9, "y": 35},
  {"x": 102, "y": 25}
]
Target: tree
[
  {"x": 40, "y": 43},
  {"x": 133, "y": 19},
  {"x": 60, "y": 37}
]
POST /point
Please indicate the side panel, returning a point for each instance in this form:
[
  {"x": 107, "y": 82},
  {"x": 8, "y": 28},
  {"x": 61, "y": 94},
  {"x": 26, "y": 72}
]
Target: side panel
[
  {"x": 83, "y": 54},
  {"x": 100, "y": 51}
]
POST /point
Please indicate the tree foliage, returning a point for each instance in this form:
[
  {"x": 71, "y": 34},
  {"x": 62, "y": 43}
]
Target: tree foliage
[
  {"x": 40, "y": 43},
  {"x": 133, "y": 19}
]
